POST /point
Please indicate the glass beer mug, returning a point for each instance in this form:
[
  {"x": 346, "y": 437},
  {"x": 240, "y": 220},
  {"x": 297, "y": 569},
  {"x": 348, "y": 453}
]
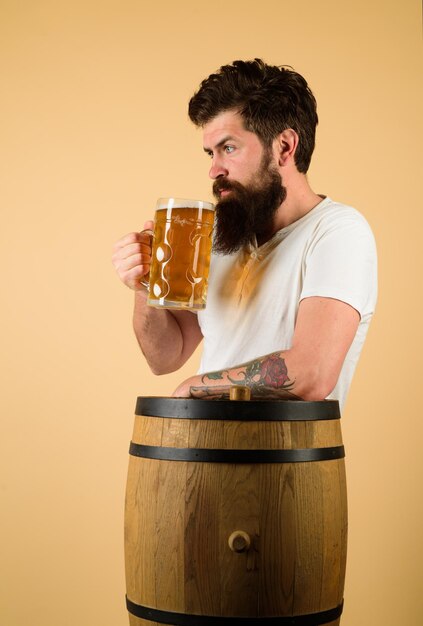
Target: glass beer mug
[{"x": 181, "y": 247}]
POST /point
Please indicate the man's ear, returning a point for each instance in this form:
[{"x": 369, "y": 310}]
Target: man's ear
[{"x": 287, "y": 143}]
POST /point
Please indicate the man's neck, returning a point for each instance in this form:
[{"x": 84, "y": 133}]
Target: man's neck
[{"x": 300, "y": 199}]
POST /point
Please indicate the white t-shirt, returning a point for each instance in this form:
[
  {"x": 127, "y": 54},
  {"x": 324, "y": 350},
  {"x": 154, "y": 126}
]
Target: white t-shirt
[{"x": 254, "y": 294}]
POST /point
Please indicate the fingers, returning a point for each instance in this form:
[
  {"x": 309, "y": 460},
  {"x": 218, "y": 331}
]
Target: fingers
[
  {"x": 132, "y": 258},
  {"x": 132, "y": 239},
  {"x": 149, "y": 225}
]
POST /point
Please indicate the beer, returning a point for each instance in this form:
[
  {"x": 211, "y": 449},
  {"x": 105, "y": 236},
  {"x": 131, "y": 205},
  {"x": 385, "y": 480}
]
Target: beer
[{"x": 181, "y": 250}]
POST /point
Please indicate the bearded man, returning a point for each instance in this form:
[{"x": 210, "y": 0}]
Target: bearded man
[{"x": 293, "y": 277}]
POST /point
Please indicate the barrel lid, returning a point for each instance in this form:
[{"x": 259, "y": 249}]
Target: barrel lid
[{"x": 239, "y": 410}]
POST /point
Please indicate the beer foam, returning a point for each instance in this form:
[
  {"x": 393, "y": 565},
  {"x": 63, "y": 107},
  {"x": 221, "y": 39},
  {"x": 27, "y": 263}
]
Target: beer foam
[{"x": 170, "y": 203}]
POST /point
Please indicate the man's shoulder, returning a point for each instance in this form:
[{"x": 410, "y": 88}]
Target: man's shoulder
[
  {"x": 332, "y": 214},
  {"x": 335, "y": 209}
]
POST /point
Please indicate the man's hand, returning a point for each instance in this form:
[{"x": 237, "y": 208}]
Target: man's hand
[
  {"x": 184, "y": 389},
  {"x": 132, "y": 257},
  {"x": 195, "y": 387}
]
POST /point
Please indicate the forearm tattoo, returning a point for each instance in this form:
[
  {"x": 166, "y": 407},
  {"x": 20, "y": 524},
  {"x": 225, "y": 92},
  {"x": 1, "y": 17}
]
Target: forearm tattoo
[{"x": 267, "y": 378}]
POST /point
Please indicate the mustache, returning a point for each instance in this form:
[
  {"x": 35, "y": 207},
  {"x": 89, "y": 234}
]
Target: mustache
[{"x": 224, "y": 184}]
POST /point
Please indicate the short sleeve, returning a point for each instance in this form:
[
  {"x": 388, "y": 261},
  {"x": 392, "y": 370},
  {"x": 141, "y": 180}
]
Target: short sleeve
[{"x": 341, "y": 263}]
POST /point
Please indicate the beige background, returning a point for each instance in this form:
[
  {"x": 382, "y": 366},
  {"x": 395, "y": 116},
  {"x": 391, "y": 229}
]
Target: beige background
[{"x": 94, "y": 128}]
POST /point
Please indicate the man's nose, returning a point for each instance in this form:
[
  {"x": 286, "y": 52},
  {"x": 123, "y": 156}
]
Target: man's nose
[{"x": 217, "y": 169}]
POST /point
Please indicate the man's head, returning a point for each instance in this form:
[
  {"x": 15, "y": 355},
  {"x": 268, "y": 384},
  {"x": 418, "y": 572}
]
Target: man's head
[
  {"x": 270, "y": 99},
  {"x": 256, "y": 119}
]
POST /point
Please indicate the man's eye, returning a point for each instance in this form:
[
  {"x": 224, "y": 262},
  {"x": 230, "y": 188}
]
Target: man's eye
[{"x": 229, "y": 149}]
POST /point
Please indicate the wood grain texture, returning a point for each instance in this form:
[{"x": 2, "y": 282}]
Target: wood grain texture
[{"x": 180, "y": 515}]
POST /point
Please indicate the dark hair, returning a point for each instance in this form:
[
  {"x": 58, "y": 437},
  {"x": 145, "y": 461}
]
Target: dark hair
[{"x": 269, "y": 98}]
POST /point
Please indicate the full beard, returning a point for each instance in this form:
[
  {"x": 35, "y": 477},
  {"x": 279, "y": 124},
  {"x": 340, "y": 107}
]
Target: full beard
[{"x": 247, "y": 213}]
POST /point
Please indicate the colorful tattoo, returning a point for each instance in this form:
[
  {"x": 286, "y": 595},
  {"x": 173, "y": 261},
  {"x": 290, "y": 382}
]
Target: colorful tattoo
[{"x": 267, "y": 377}]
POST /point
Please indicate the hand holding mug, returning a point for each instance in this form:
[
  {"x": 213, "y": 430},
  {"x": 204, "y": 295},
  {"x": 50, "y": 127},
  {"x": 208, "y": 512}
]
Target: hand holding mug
[{"x": 132, "y": 257}]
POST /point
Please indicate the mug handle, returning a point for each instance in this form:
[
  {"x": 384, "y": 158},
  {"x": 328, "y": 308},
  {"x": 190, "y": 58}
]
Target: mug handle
[{"x": 144, "y": 281}]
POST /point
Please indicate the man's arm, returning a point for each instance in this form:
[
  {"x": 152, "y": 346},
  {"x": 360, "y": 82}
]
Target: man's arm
[
  {"x": 166, "y": 338},
  {"x": 309, "y": 370}
]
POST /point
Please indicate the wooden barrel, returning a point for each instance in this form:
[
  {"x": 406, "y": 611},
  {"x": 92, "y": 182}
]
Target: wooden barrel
[{"x": 236, "y": 513}]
